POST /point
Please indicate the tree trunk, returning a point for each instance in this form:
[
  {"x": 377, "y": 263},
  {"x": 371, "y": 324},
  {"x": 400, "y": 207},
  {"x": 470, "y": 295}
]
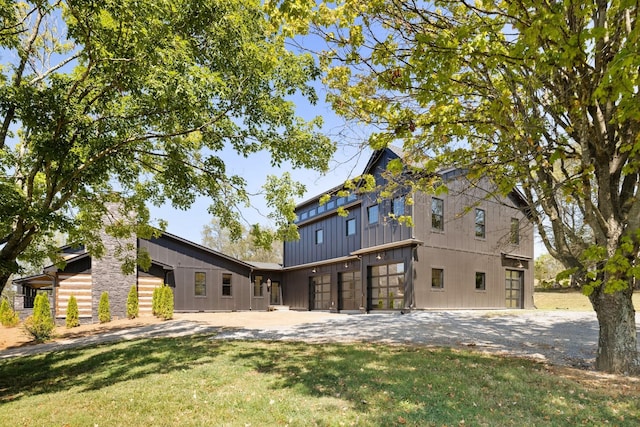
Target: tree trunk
[
  {"x": 4, "y": 280},
  {"x": 617, "y": 341}
]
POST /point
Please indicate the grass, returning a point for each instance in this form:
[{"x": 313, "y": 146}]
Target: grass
[
  {"x": 195, "y": 381},
  {"x": 569, "y": 299}
]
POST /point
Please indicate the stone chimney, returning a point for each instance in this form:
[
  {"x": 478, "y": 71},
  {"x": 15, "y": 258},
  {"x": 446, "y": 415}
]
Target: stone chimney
[{"x": 106, "y": 272}]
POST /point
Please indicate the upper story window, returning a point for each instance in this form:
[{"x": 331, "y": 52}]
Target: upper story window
[
  {"x": 515, "y": 231},
  {"x": 437, "y": 214},
  {"x": 331, "y": 204},
  {"x": 319, "y": 236},
  {"x": 226, "y": 285},
  {"x": 304, "y": 215},
  {"x": 200, "y": 284},
  {"x": 397, "y": 208},
  {"x": 480, "y": 223},
  {"x": 372, "y": 214},
  {"x": 351, "y": 227}
]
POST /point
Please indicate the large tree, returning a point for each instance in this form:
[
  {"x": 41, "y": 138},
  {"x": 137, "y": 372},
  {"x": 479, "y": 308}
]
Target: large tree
[
  {"x": 132, "y": 102},
  {"x": 538, "y": 95}
]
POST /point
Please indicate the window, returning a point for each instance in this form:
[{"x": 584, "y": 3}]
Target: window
[
  {"x": 480, "y": 281},
  {"x": 200, "y": 284},
  {"x": 304, "y": 215},
  {"x": 226, "y": 285},
  {"x": 372, "y": 214},
  {"x": 351, "y": 227},
  {"x": 480, "y": 223},
  {"x": 319, "y": 236},
  {"x": 312, "y": 212},
  {"x": 398, "y": 206},
  {"x": 437, "y": 278},
  {"x": 341, "y": 201},
  {"x": 321, "y": 208},
  {"x": 515, "y": 231},
  {"x": 331, "y": 204},
  {"x": 437, "y": 214},
  {"x": 257, "y": 286}
]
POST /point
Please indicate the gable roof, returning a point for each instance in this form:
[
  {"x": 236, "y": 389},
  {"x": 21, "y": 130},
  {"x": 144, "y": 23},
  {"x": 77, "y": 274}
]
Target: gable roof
[{"x": 203, "y": 248}]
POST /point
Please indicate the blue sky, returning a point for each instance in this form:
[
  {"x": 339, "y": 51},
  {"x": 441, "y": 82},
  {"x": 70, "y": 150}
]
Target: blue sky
[{"x": 348, "y": 162}]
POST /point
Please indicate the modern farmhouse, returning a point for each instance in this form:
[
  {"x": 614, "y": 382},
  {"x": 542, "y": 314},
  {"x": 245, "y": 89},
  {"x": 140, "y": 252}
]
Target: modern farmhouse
[
  {"x": 461, "y": 249},
  {"x": 464, "y": 250}
]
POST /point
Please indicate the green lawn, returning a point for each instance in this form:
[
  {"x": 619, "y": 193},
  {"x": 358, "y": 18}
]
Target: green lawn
[
  {"x": 569, "y": 299},
  {"x": 195, "y": 381}
]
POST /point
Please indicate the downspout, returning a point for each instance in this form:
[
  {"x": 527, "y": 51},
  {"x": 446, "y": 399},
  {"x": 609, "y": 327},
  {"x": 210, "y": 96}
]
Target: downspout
[
  {"x": 250, "y": 289},
  {"x": 412, "y": 303}
]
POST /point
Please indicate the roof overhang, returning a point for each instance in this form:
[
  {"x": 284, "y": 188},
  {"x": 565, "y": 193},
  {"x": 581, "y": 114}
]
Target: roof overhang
[
  {"x": 320, "y": 263},
  {"x": 516, "y": 257},
  {"x": 35, "y": 281},
  {"x": 162, "y": 265},
  {"x": 54, "y": 268},
  {"x": 387, "y": 246}
]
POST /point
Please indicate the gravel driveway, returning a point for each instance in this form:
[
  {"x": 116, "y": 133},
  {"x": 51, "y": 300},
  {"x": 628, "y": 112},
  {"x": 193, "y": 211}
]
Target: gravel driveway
[
  {"x": 561, "y": 338},
  {"x": 558, "y": 337}
]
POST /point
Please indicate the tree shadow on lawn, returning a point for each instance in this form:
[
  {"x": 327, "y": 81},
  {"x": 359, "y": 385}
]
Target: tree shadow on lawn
[
  {"x": 101, "y": 366},
  {"x": 416, "y": 385}
]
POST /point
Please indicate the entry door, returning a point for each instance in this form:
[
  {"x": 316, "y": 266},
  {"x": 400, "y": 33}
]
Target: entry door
[
  {"x": 274, "y": 299},
  {"x": 350, "y": 290},
  {"x": 513, "y": 288}
]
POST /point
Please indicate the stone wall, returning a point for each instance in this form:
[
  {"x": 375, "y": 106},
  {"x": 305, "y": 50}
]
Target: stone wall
[{"x": 106, "y": 272}]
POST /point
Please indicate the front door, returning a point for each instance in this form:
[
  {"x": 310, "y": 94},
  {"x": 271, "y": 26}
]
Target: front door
[
  {"x": 350, "y": 290},
  {"x": 513, "y": 288},
  {"x": 274, "y": 299}
]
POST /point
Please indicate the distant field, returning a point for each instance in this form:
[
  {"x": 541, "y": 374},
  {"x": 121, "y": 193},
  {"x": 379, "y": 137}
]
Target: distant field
[{"x": 569, "y": 300}]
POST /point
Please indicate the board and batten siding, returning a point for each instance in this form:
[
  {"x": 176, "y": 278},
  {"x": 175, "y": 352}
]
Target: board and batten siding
[
  {"x": 460, "y": 253},
  {"x": 188, "y": 258},
  {"x": 335, "y": 243},
  {"x": 78, "y": 285},
  {"x": 386, "y": 229}
]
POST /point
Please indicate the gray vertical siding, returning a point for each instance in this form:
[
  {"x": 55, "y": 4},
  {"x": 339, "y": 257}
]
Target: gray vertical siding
[
  {"x": 460, "y": 254},
  {"x": 336, "y": 242},
  {"x": 187, "y": 259}
]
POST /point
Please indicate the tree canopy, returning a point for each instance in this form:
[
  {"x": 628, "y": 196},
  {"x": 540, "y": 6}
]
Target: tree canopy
[
  {"x": 132, "y": 102},
  {"x": 541, "y": 96}
]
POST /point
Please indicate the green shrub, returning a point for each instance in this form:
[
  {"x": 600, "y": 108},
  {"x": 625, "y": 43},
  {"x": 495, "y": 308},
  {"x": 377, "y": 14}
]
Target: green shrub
[
  {"x": 165, "y": 308},
  {"x": 104, "y": 311},
  {"x": 155, "y": 301},
  {"x": 40, "y": 325},
  {"x": 132, "y": 302},
  {"x": 73, "y": 315},
  {"x": 8, "y": 317}
]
